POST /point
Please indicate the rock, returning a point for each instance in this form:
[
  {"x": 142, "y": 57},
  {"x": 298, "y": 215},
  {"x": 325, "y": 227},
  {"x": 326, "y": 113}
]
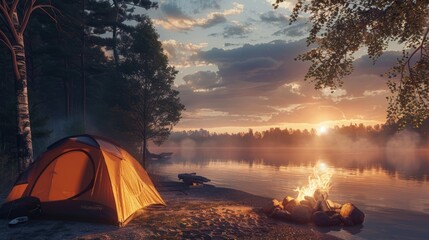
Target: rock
[
  {"x": 281, "y": 215},
  {"x": 286, "y": 200},
  {"x": 269, "y": 207},
  {"x": 335, "y": 220},
  {"x": 321, "y": 219},
  {"x": 291, "y": 205},
  {"x": 301, "y": 214},
  {"x": 277, "y": 203},
  {"x": 349, "y": 210},
  {"x": 347, "y": 221}
]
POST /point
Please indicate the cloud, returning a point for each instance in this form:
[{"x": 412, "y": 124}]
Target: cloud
[
  {"x": 172, "y": 10},
  {"x": 367, "y": 75},
  {"x": 265, "y": 64},
  {"x": 261, "y": 85},
  {"x": 335, "y": 95},
  {"x": 288, "y": 4},
  {"x": 236, "y": 30},
  {"x": 299, "y": 28},
  {"x": 374, "y": 92},
  {"x": 178, "y": 53},
  {"x": 295, "y": 30},
  {"x": 175, "y": 19},
  {"x": 203, "y": 80},
  {"x": 201, "y": 5},
  {"x": 231, "y": 44},
  {"x": 313, "y": 113},
  {"x": 273, "y": 17}
]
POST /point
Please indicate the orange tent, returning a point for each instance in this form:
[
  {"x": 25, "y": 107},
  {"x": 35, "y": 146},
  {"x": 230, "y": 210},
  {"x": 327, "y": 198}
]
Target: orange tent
[{"x": 88, "y": 178}]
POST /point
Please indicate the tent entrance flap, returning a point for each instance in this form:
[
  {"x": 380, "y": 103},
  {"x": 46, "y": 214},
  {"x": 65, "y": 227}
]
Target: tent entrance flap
[{"x": 67, "y": 176}]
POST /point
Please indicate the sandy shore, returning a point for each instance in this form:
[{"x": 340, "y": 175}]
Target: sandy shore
[{"x": 202, "y": 212}]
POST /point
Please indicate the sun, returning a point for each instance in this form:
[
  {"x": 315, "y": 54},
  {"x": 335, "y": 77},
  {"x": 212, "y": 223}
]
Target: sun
[{"x": 322, "y": 130}]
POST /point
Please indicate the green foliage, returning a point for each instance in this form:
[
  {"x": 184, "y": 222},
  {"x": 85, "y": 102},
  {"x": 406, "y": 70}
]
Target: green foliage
[
  {"x": 340, "y": 28},
  {"x": 155, "y": 106}
]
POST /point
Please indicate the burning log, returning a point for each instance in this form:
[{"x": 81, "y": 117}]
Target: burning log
[
  {"x": 286, "y": 200},
  {"x": 311, "y": 200},
  {"x": 317, "y": 209},
  {"x": 312, "y": 204},
  {"x": 320, "y": 195},
  {"x": 291, "y": 205},
  {"x": 321, "y": 205}
]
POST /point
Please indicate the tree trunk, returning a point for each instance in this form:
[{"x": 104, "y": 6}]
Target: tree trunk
[
  {"x": 144, "y": 154},
  {"x": 24, "y": 142},
  {"x": 145, "y": 124},
  {"x": 82, "y": 70},
  {"x": 115, "y": 35}
]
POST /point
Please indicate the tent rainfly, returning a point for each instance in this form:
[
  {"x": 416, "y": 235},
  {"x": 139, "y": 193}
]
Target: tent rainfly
[{"x": 87, "y": 178}]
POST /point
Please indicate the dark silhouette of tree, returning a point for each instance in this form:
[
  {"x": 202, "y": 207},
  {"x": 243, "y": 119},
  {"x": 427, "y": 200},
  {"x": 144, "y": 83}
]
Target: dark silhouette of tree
[
  {"x": 348, "y": 137},
  {"x": 61, "y": 86},
  {"x": 155, "y": 106}
]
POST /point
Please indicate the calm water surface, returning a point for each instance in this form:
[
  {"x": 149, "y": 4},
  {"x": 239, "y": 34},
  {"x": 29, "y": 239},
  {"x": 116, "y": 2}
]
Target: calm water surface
[{"x": 391, "y": 187}]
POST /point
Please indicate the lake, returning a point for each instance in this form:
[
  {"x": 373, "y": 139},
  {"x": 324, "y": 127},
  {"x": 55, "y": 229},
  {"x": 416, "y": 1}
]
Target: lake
[{"x": 390, "y": 186}]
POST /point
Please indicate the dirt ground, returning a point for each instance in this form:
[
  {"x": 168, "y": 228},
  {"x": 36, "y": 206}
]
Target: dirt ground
[{"x": 201, "y": 212}]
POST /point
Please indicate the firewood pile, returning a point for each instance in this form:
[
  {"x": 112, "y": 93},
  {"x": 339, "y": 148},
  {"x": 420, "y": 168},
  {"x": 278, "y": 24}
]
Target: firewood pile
[{"x": 317, "y": 209}]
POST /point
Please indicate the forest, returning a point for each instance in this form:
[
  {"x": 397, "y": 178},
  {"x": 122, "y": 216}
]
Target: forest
[
  {"x": 345, "y": 137},
  {"x": 93, "y": 67}
]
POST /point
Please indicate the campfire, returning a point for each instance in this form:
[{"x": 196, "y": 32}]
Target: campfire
[{"x": 312, "y": 204}]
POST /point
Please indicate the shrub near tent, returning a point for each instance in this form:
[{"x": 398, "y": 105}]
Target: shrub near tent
[{"x": 87, "y": 178}]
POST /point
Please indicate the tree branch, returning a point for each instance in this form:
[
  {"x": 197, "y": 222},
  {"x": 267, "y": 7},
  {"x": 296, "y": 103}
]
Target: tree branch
[
  {"x": 32, "y": 9},
  {"x": 5, "y": 5},
  {"x": 13, "y": 8},
  {"x": 9, "y": 22},
  {"x": 5, "y": 40},
  {"x": 27, "y": 13}
]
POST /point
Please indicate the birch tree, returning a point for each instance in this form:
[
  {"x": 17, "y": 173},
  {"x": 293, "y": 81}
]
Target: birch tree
[{"x": 14, "y": 18}]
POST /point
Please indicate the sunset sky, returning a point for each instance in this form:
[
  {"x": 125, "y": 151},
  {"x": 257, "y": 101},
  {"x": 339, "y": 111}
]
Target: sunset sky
[{"x": 237, "y": 70}]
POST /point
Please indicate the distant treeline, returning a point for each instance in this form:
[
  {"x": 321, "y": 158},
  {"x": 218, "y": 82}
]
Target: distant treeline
[{"x": 346, "y": 136}]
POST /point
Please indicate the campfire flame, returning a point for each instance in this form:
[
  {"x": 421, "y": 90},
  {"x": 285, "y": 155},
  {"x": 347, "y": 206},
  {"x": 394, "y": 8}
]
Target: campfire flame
[
  {"x": 312, "y": 203},
  {"x": 320, "y": 179}
]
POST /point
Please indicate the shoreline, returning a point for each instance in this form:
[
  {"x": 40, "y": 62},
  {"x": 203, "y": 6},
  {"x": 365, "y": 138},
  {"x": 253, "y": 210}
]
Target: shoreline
[{"x": 196, "y": 212}]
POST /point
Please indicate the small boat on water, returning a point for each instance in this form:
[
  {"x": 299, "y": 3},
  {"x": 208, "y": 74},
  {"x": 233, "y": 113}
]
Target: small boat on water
[{"x": 160, "y": 156}]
